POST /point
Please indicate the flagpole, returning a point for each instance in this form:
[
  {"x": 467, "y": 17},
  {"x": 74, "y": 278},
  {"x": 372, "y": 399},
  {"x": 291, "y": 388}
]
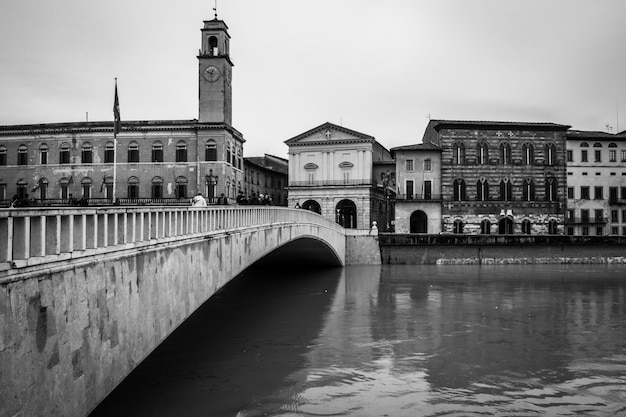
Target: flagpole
[{"x": 116, "y": 129}]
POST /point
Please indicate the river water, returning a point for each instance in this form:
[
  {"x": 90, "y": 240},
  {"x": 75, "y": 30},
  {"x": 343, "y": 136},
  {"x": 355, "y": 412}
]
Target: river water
[{"x": 389, "y": 340}]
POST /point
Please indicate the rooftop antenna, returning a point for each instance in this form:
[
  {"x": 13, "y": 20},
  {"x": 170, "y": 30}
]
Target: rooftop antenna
[{"x": 215, "y": 9}]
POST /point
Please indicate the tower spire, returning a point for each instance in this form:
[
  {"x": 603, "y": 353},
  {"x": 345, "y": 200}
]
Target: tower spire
[{"x": 215, "y": 9}]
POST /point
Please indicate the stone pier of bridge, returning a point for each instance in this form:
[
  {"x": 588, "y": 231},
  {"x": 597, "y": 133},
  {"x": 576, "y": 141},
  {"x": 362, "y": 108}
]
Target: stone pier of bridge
[{"x": 87, "y": 294}]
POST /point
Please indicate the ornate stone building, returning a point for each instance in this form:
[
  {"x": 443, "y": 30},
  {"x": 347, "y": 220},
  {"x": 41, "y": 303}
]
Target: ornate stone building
[
  {"x": 341, "y": 174},
  {"x": 501, "y": 177},
  {"x": 158, "y": 161}
]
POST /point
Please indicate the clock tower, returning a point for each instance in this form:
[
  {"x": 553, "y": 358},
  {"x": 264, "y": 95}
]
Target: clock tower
[{"x": 215, "y": 72}]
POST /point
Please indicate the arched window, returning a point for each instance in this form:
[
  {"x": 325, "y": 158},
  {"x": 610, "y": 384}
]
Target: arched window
[
  {"x": 181, "y": 187},
  {"x": 64, "y": 153},
  {"x": 156, "y": 187},
  {"x": 505, "y": 225},
  {"x": 22, "y": 155},
  {"x": 584, "y": 157},
  {"x": 485, "y": 227},
  {"x": 528, "y": 190},
  {"x": 345, "y": 214},
  {"x": 85, "y": 185},
  {"x": 505, "y": 153},
  {"x": 526, "y": 226},
  {"x": 157, "y": 151},
  {"x": 552, "y": 227},
  {"x": 528, "y": 151},
  {"x": 42, "y": 188},
  {"x": 506, "y": 190},
  {"x": 482, "y": 190},
  {"x": 550, "y": 154},
  {"x": 64, "y": 184},
  {"x": 213, "y": 49},
  {"x": 22, "y": 190},
  {"x": 459, "y": 153},
  {"x": 3, "y": 155},
  {"x": 458, "y": 226},
  {"x": 482, "y": 153},
  {"x": 239, "y": 158},
  {"x": 210, "y": 151},
  {"x": 181, "y": 152},
  {"x": 228, "y": 153},
  {"x": 109, "y": 153},
  {"x": 551, "y": 189},
  {"x": 86, "y": 154},
  {"x": 43, "y": 154},
  {"x": 597, "y": 145},
  {"x": 133, "y": 187},
  {"x": 133, "y": 152},
  {"x": 459, "y": 190}
]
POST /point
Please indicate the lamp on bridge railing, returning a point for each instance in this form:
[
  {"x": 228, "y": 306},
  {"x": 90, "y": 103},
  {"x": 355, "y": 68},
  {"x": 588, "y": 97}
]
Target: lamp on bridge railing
[
  {"x": 386, "y": 177},
  {"x": 211, "y": 184}
]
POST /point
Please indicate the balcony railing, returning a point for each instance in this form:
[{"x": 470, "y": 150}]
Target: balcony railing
[
  {"x": 331, "y": 183},
  {"x": 392, "y": 239},
  {"x": 418, "y": 197},
  {"x": 586, "y": 220}
]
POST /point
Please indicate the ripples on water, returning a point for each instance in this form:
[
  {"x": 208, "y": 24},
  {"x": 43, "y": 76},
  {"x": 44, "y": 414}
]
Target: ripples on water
[{"x": 397, "y": 341}]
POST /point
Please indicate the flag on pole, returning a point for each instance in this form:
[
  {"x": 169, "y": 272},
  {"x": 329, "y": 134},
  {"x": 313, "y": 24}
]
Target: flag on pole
[{"x": 117, "y": 124}]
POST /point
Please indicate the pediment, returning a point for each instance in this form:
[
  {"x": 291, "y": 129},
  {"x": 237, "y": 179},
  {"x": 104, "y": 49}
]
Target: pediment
[
  {"x": 311, "y": 165},
  {"x": 329, "y": 133}
]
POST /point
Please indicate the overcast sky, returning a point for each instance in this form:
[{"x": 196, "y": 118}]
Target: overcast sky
[{"x": 378, "y": 67}]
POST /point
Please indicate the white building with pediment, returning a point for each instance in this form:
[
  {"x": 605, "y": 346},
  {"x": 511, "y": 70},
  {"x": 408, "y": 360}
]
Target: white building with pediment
[{"x": 342, "y": 174}]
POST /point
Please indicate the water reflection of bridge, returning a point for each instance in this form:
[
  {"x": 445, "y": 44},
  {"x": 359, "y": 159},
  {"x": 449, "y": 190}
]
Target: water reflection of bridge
[{"x": 87, "y": 293}]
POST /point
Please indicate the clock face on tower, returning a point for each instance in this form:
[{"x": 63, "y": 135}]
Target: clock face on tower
[{"x": 211, "y": 73}]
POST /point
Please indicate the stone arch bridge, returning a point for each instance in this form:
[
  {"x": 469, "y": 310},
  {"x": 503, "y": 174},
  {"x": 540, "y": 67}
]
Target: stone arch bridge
[{"x": 87, "y": 293}]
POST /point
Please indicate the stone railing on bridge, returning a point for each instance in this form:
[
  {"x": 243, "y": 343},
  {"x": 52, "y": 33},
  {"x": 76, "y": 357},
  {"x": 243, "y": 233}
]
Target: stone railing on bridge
[{"x": 32, "y": 237}]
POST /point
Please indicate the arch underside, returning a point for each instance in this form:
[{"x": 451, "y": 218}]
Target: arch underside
[{"x": 305, "y": 250}]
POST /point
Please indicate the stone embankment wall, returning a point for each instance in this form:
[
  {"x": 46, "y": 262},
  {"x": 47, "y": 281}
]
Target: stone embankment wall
[
  {"x": 494, "y": 255},
  {"x": 69, "y": 335},
  {"x": 362, "y": 247}
]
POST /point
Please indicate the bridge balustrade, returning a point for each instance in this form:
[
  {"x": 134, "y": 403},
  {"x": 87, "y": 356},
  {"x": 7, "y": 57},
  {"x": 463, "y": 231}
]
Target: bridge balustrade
[{"x": 32, "y": 236}]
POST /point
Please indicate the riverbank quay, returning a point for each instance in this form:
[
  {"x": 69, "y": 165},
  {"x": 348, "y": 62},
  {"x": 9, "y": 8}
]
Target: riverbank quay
[{"x": 453, "y": 249}]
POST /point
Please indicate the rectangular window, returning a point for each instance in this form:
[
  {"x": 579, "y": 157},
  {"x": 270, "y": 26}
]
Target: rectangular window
[
  {"x": 570, "y": 214},
  {"x": 157, "y": 154},
  {"x": 109, "y": 155},
  {"x": 3, "y": 156},
  {"x": 133, "y": 191},
  {"x": 427, "y": 165},
  {"x": 583, "y": 155},
  {"x": 181, "y": 153},
  {"x": 614, "y": 230},
  {"x": 613, "y": 195},
  {"x": 623, "y": 155},
  {"x": 210, "y": 153},
  {"x": 570, "y": 155},
  {"x": 409, "y": 165},
  {"x": 85, "y": 156},
  {"x": 346, "y": 176},
  {"x": 622, "y": 193},
  {"x": 133, "y": 153},
  {"x": 585, "y": 231},
  {"x": 409, "y": 189},
  {"x": 612, "y": 155},
  {"x": 597, "y": 193},
  {"x": 570, "y": 231},
  {"x": 597, "y": 156},
  {"x": 614, "y": 216},
  {"x": 623, "y": 216},
  {"x": 43, "y": 157},
  {"x": 22, "y": 157},
  {"x": 623, "y": 230},
  {"x": 584, "y": 193},
  {"x": 570, "y": 192},
  {"x": 428, "y": 186},
  {"x": 599, "y": 231},
  {"x": 584, "y": 216},
  {"x": 87, "y": 190},
  {"x": 3, "y": 191},
  {"x": 157, "y": 190},
  {"x": 310, "y": 177},
  {"x": 599, "y": 215}
]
